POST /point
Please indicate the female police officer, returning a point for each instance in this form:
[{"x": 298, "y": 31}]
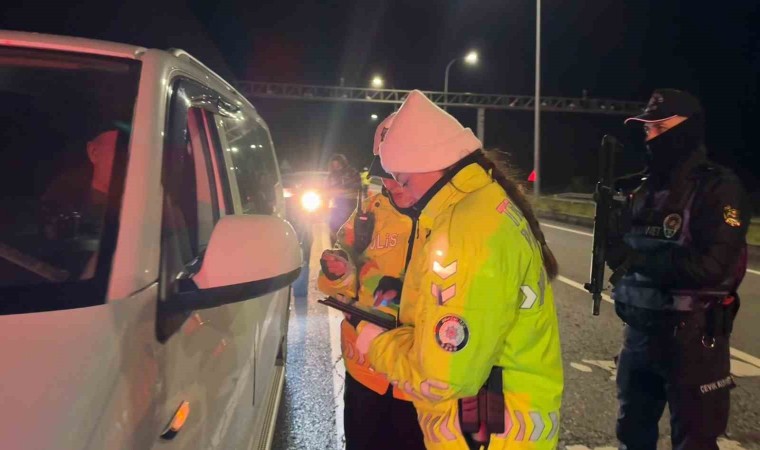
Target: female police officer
[
  {"x": 373, "y": 260},
  {"x": 480, "y": 355}
]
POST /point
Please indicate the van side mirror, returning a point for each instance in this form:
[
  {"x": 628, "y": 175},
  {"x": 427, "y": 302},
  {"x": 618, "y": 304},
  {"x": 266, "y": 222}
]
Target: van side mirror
[{"x": 247, "y": 256}]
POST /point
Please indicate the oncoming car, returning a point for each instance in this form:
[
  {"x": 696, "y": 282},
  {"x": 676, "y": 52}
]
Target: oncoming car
[
  {"x": 306, "y": 201},
  {"x": 304, "y": 192},
  {"x": 145, "y": 259}
]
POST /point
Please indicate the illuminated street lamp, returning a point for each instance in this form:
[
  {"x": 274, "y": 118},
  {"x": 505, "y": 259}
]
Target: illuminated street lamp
[
  {"x": 377, "y": 82},
  {"x": 373, "y": 116},
  {"x": 471, "y": 59}
]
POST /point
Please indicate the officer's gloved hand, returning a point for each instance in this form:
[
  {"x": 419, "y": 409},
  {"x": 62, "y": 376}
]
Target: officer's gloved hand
[
  {"x": 619, "y": 224},
  {"x": 388, "y": 291},
  {"x": 334, "y": 264},
  {"x": 616, "y": 253},
  {"x": 621, "y": 258}
]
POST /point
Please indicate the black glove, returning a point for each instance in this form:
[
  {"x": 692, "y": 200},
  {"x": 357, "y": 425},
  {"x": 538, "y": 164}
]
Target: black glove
[
  {"x": 621, "y": 258},
  {"x": 616, "y": 253},
  {"x": 619, "y": 224},
  {"x": 389, "y": 284}
]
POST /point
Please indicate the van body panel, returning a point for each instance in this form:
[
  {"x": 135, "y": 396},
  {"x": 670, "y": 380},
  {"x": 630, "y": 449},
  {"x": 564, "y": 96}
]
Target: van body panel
[
  {"x": 68, "y": 44},
  {"x": 138, "y": 249},
  {"x": 84, "y": 378},
  {"x": 99, "y": 377}
]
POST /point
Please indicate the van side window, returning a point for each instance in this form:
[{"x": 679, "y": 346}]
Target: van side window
[
  {"x": 66, "y": 121},
  {"x": 191, "y": 207},
  {"x": 253, "y": 162}
]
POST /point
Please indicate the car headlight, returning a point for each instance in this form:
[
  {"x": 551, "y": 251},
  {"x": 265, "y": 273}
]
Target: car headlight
[{"x": 311, "y": 201}]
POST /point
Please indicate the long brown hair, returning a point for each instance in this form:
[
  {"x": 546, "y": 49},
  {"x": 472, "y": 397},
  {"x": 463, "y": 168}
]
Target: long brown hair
[{"x": 494, "y": 163}]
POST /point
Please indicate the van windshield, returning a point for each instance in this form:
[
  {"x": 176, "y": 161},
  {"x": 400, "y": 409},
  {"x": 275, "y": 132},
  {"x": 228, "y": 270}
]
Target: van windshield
[{"x": 65, "y": 126}]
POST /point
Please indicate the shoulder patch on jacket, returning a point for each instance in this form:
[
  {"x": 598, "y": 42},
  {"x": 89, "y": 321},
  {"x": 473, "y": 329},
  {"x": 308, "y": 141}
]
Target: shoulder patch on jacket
[
  {"x": 451, "y": 333},
  {"x": 511, "y": 210},
  {"x": 731, "y": 216}
]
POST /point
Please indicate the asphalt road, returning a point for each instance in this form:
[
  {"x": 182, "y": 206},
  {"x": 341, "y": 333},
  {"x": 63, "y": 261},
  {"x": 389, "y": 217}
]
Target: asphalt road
[
  {"x": 311, "y": 413},
  {"x": 311, "y": 408}
]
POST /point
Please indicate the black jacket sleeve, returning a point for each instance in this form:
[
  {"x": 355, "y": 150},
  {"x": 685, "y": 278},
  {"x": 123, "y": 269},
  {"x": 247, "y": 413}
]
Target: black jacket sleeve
[{"x": 719, "y": 222}]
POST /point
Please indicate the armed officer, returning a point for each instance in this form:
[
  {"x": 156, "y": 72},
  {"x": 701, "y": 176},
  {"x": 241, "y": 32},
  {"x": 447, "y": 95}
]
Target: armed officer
[{"x": 678, "y": 262}]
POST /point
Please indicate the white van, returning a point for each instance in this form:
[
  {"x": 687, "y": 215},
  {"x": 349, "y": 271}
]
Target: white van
[{"x": 145, "y": 265}]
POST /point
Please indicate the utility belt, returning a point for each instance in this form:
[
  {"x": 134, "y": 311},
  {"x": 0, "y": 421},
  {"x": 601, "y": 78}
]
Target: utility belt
[
  {"x": 719, "y": 318},
  {"x": 714, "y": 312},
  {"x": 483, "y": 414}
]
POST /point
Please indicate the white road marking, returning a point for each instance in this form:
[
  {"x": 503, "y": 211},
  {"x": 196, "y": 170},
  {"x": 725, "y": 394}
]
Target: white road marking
[
  {"x": 577, "y": 285},
  {"x": 742, "y": 369},
  {"x": 334, "y": 318},
  {"x": 609, "y": 366},
  {"x": 746, "y": 357},
  {"x": 580, "y": 367},
  {"x": 569, "y": 230},
  {"x": 727, "y": 444},
  {"x": 739, "y": 369},
  {"x": 585, "y": 233}
]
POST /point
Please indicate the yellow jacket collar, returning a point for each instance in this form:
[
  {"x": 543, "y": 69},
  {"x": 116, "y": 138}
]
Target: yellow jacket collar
[{"x": 469, "y": 179}]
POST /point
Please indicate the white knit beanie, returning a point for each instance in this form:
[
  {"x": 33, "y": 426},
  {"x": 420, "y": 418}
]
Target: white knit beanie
[
  {"x": 424, "y": 138},
  {"x": 381, "y": 131}
]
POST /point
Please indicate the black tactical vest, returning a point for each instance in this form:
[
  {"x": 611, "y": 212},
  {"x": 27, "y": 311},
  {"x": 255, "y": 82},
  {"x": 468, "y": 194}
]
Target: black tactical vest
[{"x": 662, "y": 218}]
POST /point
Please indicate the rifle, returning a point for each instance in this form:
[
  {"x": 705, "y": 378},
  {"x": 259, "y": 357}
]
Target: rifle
[
  {"x": 379, "y": 318},
  {"x": 606, "y": 205}
]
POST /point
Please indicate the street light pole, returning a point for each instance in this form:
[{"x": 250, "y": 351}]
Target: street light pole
[
  {"x": 446, "y": 81},
  {"x": 471, "y": 58},
  {"x": 537, "y": 108}
]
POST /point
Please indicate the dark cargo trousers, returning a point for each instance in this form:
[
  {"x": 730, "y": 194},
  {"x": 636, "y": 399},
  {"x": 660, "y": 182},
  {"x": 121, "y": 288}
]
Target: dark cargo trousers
[{"x": 678, "y": 367}]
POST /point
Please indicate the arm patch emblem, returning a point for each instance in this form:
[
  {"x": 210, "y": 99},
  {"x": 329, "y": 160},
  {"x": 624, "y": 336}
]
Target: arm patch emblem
[
  {"x": 451, "y": 333},
  {"x": 731, "y": 216}
]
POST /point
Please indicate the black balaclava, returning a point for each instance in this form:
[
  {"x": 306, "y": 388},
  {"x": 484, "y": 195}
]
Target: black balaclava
[{"x": 668, "y": 151}]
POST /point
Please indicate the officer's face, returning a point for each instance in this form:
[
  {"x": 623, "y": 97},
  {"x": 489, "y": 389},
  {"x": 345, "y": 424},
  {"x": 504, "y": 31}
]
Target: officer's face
[
  {"x": 401, "y": 196},
  {"x": 417, "y": 184},
  {"x": 654, "y": 129}
]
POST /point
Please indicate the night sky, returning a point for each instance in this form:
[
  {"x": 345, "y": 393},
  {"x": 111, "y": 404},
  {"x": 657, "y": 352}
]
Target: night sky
[{"x": 612, "y": 48}]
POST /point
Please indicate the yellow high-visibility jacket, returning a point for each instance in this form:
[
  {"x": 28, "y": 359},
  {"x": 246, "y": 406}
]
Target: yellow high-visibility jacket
[
  {"x": 481, "y": 298},
  {"x": 386, "y": 256}
]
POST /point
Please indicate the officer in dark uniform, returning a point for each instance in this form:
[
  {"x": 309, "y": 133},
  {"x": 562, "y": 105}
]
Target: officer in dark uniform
[{"x": 678, "y": 255}]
